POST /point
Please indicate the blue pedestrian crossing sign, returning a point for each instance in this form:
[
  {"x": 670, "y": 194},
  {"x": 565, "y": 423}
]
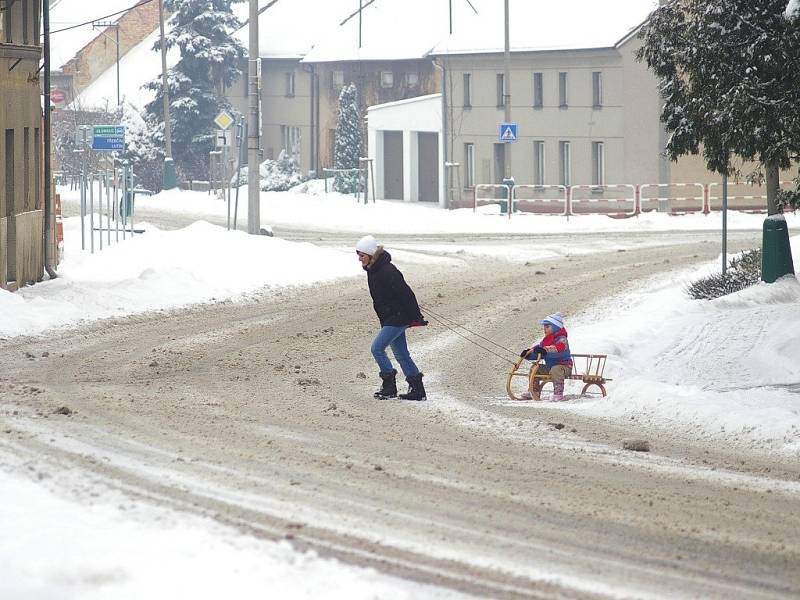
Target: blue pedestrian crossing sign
[{"x": 508, "y": 132}]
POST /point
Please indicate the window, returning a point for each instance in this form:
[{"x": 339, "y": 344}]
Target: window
[
  {"x": 37, "y": 176},
  {"x": 412, "y": 79},
  {"x": 469, "y": 165},
  {"x": 26, "y": 169},
  {"x": 467, "y": 90},
  {"x": 501, "y": 90},
  {"x": 10, "y": 171},
  {"x": 597, "y": 89},
  {"x": 290, "y": 84},
  {"x": 538, "y": 162},
  {"x": 387, "y": 79},
  {"x": 337, "y": 79},
  {"x": 6, "y": 14},
  {"x": 562, "y": 89},
  {"x": 538, "y": 91},
  {"x": 290, "y": 140},
  {"x": 564, "y": 164},
  {"x": 25, "y": 21},
  {"x": 598, "y": 163}
]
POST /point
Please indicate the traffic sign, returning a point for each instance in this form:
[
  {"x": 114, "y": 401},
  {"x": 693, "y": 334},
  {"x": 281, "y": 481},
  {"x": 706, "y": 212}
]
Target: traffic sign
[
  {"x": 224, "y": 138},
  {"x": 109, "y": 131},
  {"x": 108, "y": 137},
  {"x": 108, "y": 143},
  {"x": 508, "y": 133},
  {"x": 224, "y": 120},
  {"x": 57, "y": 96}
]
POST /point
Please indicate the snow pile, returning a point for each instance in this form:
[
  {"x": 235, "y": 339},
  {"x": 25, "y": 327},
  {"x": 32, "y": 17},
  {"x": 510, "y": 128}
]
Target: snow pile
[
  {"x": 726, "y": 369},
  {"x": 792, "y": 9},
  {"x": 163, "y": 269},
  {"x": 68, "y": 549}
]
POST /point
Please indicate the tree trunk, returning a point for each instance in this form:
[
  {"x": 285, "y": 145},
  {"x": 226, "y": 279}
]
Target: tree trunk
[{"x": 773, "y": 186}]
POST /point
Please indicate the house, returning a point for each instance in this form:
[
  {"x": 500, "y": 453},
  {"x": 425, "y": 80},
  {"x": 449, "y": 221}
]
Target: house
[
  {"x": 382, "y": 48},
  {"x": 88, "y": 38},
  {"x": 21, "y": 138},
  {"x": 587, "y": 112}
]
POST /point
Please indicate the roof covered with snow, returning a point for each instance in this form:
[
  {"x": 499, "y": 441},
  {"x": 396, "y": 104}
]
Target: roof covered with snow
[
  {"x": 555, "y": 25},
  {"x": 140, "y": 65},
  {"x": 66, "y": 43},
  {"x": 395, "y": 29},
  {"x": 289, "y": 28}
]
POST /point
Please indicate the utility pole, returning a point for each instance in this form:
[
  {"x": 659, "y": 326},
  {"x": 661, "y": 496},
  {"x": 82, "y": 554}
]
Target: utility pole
[
  {"x": 253, "y": 129},
  {"x": 507, "y": 95},
  {"x": 170, "y": 179},
  {"x": 110, "y": 25}
]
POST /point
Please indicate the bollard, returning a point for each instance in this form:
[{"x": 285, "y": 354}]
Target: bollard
[{"x": 776, "y": 252}]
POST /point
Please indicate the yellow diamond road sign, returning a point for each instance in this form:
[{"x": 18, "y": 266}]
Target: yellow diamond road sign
[{"x": 223, "y": 120}]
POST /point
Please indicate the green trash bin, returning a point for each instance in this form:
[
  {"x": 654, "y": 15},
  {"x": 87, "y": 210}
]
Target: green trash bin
[
  {"x": 504, "y": 206},
  {"x": 776, "y": 251}
]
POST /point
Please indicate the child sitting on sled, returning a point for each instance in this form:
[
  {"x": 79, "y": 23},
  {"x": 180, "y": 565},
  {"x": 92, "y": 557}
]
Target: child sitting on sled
[{"x": 554, "y": 350}]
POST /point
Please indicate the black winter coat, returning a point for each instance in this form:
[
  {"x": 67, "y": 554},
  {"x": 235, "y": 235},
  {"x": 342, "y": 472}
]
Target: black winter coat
[{"x": 394, "y": 302}]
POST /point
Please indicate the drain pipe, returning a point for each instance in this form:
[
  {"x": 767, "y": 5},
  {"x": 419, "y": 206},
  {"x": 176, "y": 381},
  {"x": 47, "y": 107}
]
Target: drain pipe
[{"x": 48, "y": 196}]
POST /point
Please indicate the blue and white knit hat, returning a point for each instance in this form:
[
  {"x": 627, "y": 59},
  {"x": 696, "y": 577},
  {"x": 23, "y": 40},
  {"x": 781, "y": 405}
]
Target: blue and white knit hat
[{"x": 556, "y": 320}]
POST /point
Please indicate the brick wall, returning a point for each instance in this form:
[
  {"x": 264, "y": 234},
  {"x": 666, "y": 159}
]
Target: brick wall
[{"x": 100, "y": 54}]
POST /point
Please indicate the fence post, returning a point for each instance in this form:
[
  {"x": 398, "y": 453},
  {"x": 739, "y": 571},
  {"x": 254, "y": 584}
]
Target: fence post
[{"x": 637, "y": 202}]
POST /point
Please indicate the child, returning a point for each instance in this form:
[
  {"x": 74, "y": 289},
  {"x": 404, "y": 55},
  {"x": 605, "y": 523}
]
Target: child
[{"x": 554, "y": 349}]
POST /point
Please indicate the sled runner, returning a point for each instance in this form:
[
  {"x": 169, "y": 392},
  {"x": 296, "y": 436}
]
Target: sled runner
[{"x": 587, "y": 368}]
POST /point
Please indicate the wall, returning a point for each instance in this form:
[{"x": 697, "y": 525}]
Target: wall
[
  {"x": 20, "y": 160},
  {"x": 580, "y": 122}
]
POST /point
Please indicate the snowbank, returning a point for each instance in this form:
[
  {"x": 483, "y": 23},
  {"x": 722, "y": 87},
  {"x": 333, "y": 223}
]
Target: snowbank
[
  {"x": 726, "y": 369},
  {"x": 161, "y": 270}
]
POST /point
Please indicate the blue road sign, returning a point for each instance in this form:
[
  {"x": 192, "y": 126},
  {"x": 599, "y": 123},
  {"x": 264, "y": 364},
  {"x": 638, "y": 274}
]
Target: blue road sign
[
  {"x": 508, "y": 133},
  {"x": 108, "y": 143},
  {"x": 108, "y": 137}
]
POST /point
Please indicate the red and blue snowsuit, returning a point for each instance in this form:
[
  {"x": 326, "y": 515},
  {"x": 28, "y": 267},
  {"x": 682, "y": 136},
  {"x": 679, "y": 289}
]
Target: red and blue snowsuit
[{"x": 557, "y": 347}]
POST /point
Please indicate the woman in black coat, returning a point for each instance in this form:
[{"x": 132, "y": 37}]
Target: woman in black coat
[{"x": 397, "y": 310}]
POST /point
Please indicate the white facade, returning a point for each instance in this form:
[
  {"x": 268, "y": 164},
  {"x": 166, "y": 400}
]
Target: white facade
[{"x": 411, "y": 117}]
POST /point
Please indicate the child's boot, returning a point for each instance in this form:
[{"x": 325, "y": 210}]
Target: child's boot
[{"x": 558, "y": 392}]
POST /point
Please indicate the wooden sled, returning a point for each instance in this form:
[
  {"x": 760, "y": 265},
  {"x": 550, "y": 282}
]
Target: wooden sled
[{"x": 587, "y": 368}]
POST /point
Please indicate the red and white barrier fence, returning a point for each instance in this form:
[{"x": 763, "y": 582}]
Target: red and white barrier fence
[{"x": 623, "y": 199}]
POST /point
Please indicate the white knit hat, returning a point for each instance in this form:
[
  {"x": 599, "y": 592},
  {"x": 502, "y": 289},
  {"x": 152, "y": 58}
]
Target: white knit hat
[
  {"x": 367, "y": 245},
  {"x": 556, "y": 320}
]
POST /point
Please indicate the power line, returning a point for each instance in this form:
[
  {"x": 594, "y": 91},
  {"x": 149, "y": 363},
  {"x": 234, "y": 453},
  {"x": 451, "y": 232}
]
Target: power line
[{"x": 119, "y": 12}]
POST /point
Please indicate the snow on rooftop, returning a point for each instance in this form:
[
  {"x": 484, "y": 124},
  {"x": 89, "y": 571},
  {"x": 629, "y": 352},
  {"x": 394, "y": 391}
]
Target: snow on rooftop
[
  {"x": 561, "y": 25},
  {"x": 289, "y": 28},
  {"x": 64, "y": 45},
  {"x": 140, "y": 65},
  {"x": 395, "y": 30}
]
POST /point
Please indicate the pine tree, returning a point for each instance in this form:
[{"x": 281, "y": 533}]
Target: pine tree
[
  {"x": 348, "y": 140},
  {"x": 729, "y": 74},
  {"x": 202, "y": 30}
]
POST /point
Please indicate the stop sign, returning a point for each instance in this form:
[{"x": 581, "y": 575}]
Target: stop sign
[{"x": 57, "y": 96}]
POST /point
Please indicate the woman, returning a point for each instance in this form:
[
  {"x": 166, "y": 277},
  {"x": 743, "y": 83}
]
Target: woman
[{"x": 397, "y": 310}]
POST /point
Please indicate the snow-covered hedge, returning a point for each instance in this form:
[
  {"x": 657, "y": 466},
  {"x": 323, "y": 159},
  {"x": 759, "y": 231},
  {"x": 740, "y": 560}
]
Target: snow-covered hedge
[
  {"x": 276, "y": 175},
  {"x": 744, "y": 271}
]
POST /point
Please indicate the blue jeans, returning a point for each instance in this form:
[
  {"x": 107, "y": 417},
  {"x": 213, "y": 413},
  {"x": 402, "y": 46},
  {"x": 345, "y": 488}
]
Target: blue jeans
[{"x": 393, "y": 336}]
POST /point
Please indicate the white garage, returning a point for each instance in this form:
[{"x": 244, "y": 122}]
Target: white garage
[{"x": 406, "y": 146}]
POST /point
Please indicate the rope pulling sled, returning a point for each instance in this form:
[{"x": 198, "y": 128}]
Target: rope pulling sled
[{"x": 587, "y": 368}]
